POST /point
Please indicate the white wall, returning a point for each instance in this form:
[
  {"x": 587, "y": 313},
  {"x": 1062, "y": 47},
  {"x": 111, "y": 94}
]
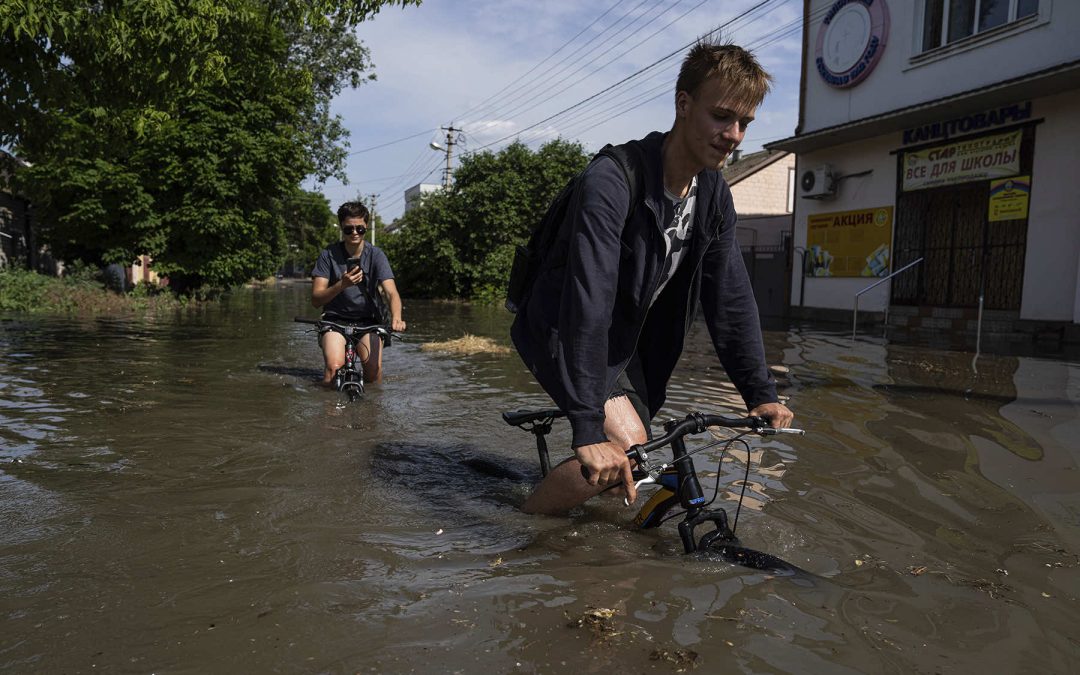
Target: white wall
[
  {"x": 1052, "y": 259},
  {"x": 876, "y": 189},
  {"x": 762, "y": 230},
  {"x": 903, "y": 78}
]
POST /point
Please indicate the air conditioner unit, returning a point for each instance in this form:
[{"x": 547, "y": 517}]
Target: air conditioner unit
[{"x": 817, "y": 183}]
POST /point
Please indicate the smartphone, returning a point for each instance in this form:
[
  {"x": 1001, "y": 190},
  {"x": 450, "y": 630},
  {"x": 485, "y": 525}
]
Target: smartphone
[{"x": 351, "y": 263}]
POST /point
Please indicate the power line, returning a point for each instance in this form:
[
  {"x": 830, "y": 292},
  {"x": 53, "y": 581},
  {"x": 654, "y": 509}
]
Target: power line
[
  {"x": 401, "y": 195},
  {"x": 577, "y": 118},
  {"x": 628, "y": 50},
  {"x": 389, "y": 143},
  {"x": 638, "y": 44},
  {"x": 414, "y": 169},
  {"x": 582, "y": 116},
  {"x": 588, "y": 112},
  {"x": 627, "y": 78},
  {"x": 541, "y": 62},
  {"x": 538, "y": 89},
  {"x": 609, "y": 103}
]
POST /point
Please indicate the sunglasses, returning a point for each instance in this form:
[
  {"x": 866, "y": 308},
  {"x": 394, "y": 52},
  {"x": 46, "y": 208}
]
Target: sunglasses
[{"x": 354, "y": 229}]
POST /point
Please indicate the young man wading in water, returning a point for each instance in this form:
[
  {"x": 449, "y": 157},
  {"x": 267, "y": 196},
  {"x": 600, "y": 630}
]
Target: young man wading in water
[
  {"x": 605, "y": 320},
  {"x": 348, "y": 292}
]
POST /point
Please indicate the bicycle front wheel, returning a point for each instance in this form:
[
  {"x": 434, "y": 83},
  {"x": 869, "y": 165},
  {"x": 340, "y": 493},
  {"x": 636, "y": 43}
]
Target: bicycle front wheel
[
  {"x": 354, "y": 390},
  {"x": 731, "y": 552}
]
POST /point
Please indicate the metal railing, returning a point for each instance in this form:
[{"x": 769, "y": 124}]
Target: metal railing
[{"x": 855, "y": 313}]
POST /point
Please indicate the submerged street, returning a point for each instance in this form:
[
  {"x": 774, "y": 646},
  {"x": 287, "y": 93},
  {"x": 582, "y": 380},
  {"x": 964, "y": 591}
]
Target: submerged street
[{"x": 176, "y": 494}]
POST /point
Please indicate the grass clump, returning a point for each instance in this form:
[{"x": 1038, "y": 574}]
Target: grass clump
[{"x": 81, "y": 291}]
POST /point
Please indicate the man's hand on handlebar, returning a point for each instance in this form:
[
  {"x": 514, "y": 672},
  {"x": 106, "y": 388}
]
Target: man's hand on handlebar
[
  {"x": 397, "y": 325},
  {"x": 777, "y": 413},
  {"x": 607, "y": 464}
]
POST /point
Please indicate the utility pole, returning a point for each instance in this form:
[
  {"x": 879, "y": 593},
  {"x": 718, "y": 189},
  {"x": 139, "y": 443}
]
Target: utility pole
[
  {"x": 451, "y": 139},
  {"x": 373, "y": 198}
]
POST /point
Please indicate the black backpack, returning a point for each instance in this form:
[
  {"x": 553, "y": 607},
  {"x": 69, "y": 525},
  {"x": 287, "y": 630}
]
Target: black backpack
[{"x": 529, "y": 258}]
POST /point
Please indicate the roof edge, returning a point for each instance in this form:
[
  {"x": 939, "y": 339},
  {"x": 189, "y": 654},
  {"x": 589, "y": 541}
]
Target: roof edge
[{"x": 1032, "y": 85}]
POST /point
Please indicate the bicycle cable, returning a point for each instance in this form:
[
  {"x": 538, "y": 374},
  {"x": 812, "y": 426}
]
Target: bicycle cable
[
  {"x": 746, "y": 479},
  {"x": 687, "y": 455},
  {"x": 716, "y": 488}
]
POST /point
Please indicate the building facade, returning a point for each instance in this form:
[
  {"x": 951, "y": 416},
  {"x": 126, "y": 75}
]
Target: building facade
[
  {"x": 762, "y": 188},
  {"x": 940, "y": 134},
  {"x": 414, "y": 194}
]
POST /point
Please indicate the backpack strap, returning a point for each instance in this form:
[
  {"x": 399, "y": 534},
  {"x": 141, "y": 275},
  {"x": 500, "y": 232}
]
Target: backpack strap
[
  {"x": 530, "y": 258},
  {"x": 629, "y": 158}
]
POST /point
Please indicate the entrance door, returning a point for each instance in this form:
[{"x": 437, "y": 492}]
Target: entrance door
[
  {"x": 948, "y": 228},
  {"x": 770, "y": 274},
  {"x": 962, "y": 252}
]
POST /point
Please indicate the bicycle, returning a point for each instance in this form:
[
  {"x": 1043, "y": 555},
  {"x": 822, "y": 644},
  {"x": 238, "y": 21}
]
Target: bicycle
[
  {"x": 678, "y": 483},
  {"x": 349, "y": 378}
]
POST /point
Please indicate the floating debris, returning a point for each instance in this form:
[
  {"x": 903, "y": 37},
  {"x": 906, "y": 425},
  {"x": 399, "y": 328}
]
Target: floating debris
[
  {"x": 682, "y": 658},
  {"x": 466, "y": 344},
  {"x": 599, "y": 620}
]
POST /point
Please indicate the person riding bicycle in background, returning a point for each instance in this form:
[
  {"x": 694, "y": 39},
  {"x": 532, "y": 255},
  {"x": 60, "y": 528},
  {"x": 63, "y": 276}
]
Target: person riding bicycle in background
[
  {"x": 350, "y": 293},
  {"x": 602, "y": 333}
]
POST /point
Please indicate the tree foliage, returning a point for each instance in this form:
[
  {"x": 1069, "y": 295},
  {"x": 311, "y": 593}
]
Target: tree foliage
[
  {"x": 181, "y": 130},
  {"x": 310, "y": 225},
  {"x": 460, "y": 244}
]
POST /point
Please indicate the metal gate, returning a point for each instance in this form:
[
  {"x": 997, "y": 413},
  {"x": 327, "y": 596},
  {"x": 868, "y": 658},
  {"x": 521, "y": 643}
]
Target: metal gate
[
  {"x": 962, "y": 250},
  {"x": 770, "y": 274}
]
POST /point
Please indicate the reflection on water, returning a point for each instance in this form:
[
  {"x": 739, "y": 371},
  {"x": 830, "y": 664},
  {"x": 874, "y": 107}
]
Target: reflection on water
[{"x": 178, "y": 494}]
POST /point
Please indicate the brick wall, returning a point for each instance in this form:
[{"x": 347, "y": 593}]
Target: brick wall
[{"x": 765, "y": 192}]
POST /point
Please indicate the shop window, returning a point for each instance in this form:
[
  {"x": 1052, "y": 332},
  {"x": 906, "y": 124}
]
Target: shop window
[{"x": 946, "y": 21}]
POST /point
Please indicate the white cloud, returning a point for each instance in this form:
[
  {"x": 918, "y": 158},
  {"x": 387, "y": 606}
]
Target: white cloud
[{"x": 439, "y": 61}]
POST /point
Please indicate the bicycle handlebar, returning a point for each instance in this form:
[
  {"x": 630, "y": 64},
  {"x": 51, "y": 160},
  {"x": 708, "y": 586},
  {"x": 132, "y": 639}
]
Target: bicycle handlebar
[
  {"x": 696, "y": 423},
  {"x": 356, "y": 331}
]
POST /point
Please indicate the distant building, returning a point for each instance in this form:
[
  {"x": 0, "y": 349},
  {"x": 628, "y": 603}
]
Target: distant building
[
  {"x": 141, "y": 272},
  {"x": 762, "y": 187},
  {"x": 930, "y": 130},
  {"x": 414, "y": 194}
]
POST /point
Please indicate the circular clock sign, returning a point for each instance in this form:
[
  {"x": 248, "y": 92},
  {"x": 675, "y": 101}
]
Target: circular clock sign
[{"x": 850, "y": 41}]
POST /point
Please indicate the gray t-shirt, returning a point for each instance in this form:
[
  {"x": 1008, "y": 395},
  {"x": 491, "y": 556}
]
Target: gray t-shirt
[
  {"x": 679, "y": 212},
  {"x": 359, "y": 302}
]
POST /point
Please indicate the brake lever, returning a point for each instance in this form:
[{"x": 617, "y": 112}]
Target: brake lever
[
  {"x": 647, "y": 480},
  {"x": 769, "y": 431}
]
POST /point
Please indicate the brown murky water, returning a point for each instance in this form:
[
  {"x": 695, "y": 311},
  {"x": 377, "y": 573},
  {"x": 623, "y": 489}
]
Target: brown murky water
[{"x": 176, "y": 496}]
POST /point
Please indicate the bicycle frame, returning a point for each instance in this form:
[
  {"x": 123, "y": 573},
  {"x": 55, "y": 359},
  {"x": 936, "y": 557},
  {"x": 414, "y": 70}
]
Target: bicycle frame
[
  {"x": 678, "y": 480},
  {"x": 349, "y": 378}
]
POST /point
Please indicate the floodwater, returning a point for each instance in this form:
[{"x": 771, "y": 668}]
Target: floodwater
[{"x": 177, "y": 496}]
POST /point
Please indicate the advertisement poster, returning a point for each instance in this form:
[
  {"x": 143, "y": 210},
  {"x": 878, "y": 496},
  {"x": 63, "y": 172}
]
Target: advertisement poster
[
  {"x": 979, "y": 159},
  {"x": 1009, "y": 198},
  {"x": 849, "y": 243}
]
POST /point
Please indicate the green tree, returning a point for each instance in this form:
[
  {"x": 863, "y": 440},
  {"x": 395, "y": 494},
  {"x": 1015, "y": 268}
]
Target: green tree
[
  {"x": 461, "y": 243},
  {"x": 181, "y": 130},
  {"x": 311, "y": 225},
  {"x": 423, "y": 252}
]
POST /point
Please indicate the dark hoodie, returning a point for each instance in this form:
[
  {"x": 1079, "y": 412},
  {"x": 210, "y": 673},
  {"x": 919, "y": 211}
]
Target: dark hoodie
[{"x": 588, "y": 310}]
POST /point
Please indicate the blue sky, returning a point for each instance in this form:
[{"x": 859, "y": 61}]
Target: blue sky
[{"x": 505, "y": 69}]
